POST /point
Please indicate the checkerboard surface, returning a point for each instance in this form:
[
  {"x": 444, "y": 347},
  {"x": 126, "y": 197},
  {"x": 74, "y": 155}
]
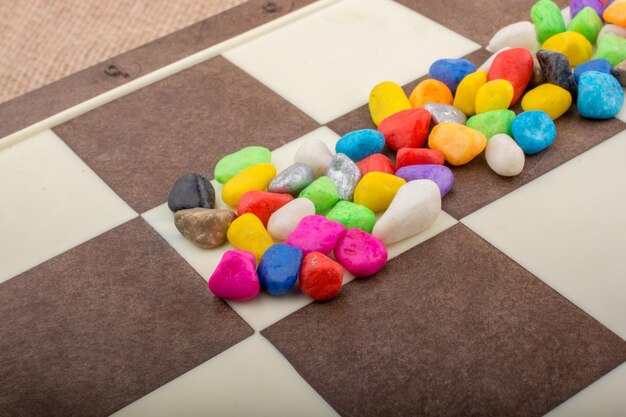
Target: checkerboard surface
[{"x": 512, "y": 303}]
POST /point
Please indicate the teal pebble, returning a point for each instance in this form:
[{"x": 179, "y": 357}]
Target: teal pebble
[
  {"x": 600, "y": 95},
  {"x": 360, "y": 144},
  {"x": 533, "y": 131}
]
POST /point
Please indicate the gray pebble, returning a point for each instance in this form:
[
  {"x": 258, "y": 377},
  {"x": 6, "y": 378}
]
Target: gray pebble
[
  {"x": 345, "y": 174},
  {"x": 619, "y": 71},
  {"x": 441, "y": 113},
  {"x": 292, "y": 180}
]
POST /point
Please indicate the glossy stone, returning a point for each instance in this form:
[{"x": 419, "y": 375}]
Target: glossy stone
[
  {"x": 441, "y": 113},
  {"x": 344, "y": 173},
  {"x": 292, "y": 180},
  {"x": 205, "y": 228},
  {"x": 191, "y": 191}
]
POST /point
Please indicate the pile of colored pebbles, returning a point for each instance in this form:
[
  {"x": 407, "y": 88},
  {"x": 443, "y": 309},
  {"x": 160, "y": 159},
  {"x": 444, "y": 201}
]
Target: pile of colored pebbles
[{"x": 329, "y": 211}]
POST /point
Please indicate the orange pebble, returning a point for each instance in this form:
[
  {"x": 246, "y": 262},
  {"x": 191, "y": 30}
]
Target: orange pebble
[
  {"x": 430, "y": 91},
  {"x": 616, "y": 13}
]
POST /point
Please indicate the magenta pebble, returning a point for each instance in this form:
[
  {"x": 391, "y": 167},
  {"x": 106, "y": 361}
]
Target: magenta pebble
[
  {"x": 316, "y": 234},
  {"x": 360, "y": 253},
  {"x": 235, "y": 277}
]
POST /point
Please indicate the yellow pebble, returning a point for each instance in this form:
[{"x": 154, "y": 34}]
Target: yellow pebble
[
  {"x": 254, "y": 178},
  {"x": 376, "y": 190},
  {"x": 549, "y": 98},
  {"x": 459, "y": 144},
  {"x": 573, "y": 45},
  {"x": 465, "y": 98},
  {"x": 247, "y": 233},
  {"x": 494, "y": 95},
  {"x": 430, "y": 91},
  {"x": 387, "y": 98}
]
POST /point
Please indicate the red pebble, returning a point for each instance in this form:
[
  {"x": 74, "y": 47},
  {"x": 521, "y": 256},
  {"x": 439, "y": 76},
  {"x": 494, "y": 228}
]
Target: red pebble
[
  {"x": 320, "y": 276},
  {"x": 262, "y": 204},
  {"x": 420, "y": 156},
  {"x": 376, "y": 163},
  {"x": 514, "y": 65},
  {"x": 406, "y": 129}
]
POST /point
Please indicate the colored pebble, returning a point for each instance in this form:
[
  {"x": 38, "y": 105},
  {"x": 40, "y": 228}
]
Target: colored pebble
[
  {"x": 550, "y": 98},
  {"x": 292, "y": 180},
  {"x": 360, "y": 253},
  {"x": 576, "y": 6},
  {"x": 619, "y": 71},
  {"x": 557, "y": 70},
  {"x": 418, "y": 156},
  {"x": 494, "y": 95},
  {"x": 406, "y": 129},
  {"x": 487, "y": 64},
  {"x": 610, "y": 29},
  {"x": 323, "y": 193},
  {"x": 515, "y": 35},
  {"x": 504, "y": 156},
  {"x": 439, "y": 174},
  {"x": 587, "y": 23},
  {"x": 430, "y": 91},
  {"x": 465, "y": 98},
  {"x": 492, "y": 122},
  {"x": 533, "y": 131},
  {"x": 415, "y": 207},
  {"x": 191, "y": 191},
  {"x": 615, "y": 13},
  {"x": 262, "y": 204},
  {"x": 612, "y": 48},
  {"x": 247, "y": 233},
  {"x": 600, "y": 96},
  {"x": 360, "y": 144},
  {"x": 205, "y": 228},
  {"x": 235, "y": 276},
  {"x": 576, "y": 48},
  {"x": 600, "y": 65},
  {"x": 320, "y": 277},
  {"x": 352, "y": 215},
  {"x": 376, "y": 163},
  {"x": 344, "y": 173},
  {"x": 386, "y": 99},
  {"x": 442, "y": 113},
  {"x": 537, "y": 78},
  {"x": 514, "y": 65},
  {"x": 459, "y": 144},
  {"x": 315, "y": 154},
  {"x": 547, "y": 18},
  {"x": 254, "y": 178},
  {"x": 376, "y": 190},
  {"x": 279, "y": 268},
  {"x": 316, "y": 234},
  {"x": 286, "y": 219},
  {"x": 234, "y": 163},
  {"x": 451, "y": 71}
]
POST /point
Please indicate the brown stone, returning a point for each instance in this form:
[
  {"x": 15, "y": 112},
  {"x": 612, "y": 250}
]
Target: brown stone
[
  {"x": 620, "y": 72},
  {"x": 206, "y": 228}
]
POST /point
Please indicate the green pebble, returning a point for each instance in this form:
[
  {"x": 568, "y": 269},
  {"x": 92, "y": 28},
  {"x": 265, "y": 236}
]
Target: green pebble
[
  {"x": 492, "y": 122},
  {"x": 612, "y": 48},
  {"x": 587, "y": 23},
  {"x": 547, "y": 18},
  {"x": 233, "y": 164},
  {"x": 323, "y": 193},
  {"x": 353, "y": 216}
]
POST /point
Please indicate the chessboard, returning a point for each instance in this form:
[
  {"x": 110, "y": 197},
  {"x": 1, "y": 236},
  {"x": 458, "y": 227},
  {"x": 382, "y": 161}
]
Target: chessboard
[{"x": 513, "y": 303}]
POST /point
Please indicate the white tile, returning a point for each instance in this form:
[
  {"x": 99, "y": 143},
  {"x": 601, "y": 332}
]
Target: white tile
[
  {"x": 327, "y": 63},
  {"x": 50, "y": 201},
  {"x": 605, "y": 398},
  {"x": 568, "y": 227},
  {"x": 250, "y": 379}
]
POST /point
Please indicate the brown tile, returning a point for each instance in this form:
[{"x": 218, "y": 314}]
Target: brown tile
[
  {"x": 141, "y": 143},
  {"x": 53, "y": 98},
  {"x": 105, "y": 323},
  {"x": 451, "y": 328}
]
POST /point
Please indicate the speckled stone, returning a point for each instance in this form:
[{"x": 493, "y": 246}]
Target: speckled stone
[
  {"x": 345, "y": 174},
  {"x": 191, "y": 191},
  {"x": 600, "y": 95},
  {"x": 205, "y": 228},
  {"x": 442, "y": 113},
  {"x": 556, "y": 69},
  {"x": 292, "y": 180}
]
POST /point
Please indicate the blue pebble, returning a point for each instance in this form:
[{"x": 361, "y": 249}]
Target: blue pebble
[
  {"x": 360, "y": 144},
  {"x": 600, "y": 65},
  {"x": 279, "y": 268},
  {"x": 533, "y": 131},
  {"x": 600, "y": 95},
  {"x": 451, "y": 71}
]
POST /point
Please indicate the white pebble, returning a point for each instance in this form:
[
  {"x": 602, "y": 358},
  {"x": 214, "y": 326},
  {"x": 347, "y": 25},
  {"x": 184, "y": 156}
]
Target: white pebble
[
  {"x": 284, "y": 220},
  {"x": 610, "y": 29},
  {"x": 487, "y": 64},
  {"x": 504, "y": 156},
  {"x": 315, "y": 154},
  {"x": 567, "y": 16},
  {"x": 415, "y": 207},
  {"x": 516, "y": 35}
]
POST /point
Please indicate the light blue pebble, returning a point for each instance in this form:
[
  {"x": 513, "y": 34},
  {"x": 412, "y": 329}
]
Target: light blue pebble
[
  {"x": 451, "y": 71},
  {"x": 600, "y": 65},
  {"x": 533, "y": 131},
  {"x": 360, "y": 144},
  {"x": 279, "y": 268},
  {"x": 600, "y": 95}
]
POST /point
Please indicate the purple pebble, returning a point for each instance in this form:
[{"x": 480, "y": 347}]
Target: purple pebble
[
  {"x": 440, "y": 174},
  {"x": 576, "y": 6}
]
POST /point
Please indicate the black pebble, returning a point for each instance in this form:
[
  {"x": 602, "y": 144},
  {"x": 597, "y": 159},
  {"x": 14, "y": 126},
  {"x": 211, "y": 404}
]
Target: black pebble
[
  {"x": 191, "y": 191},
  {"x": 556, "y": 69}
]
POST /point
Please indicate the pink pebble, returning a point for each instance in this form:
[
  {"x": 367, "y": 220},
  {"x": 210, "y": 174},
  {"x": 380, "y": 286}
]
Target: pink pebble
[
  {"x": 316, "y": 234},
  {"x": 235, "y": 277},
  {"x": 360, "y": 253}
]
